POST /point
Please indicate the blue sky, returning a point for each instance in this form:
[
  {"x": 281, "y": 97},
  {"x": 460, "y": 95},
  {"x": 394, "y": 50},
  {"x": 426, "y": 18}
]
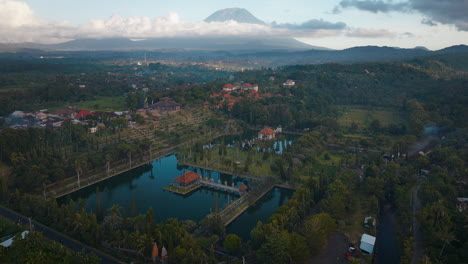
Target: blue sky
[
  {"x": 81, "y": 11},
  {"x": 346, "y": 23}
]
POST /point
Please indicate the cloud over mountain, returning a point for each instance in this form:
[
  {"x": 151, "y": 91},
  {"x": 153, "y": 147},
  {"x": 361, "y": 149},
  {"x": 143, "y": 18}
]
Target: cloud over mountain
[
  {"x": 370, "y": 33},
  {"x": 313, "y": 24},
  {"x": 20, "y": 24}
]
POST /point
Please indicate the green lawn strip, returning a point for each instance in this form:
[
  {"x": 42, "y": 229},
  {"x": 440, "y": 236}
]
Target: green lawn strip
[
  {"x": 333, "y": 158},
  {"x": 355, "y": 221},
  {"x": 104, "y": 104},
  {"x": 183, "y": 191},
  {"x": 387, "y": 117},
  {"x": 235, "y": 212},
  {"x": 362, "y": 116},
  {"x": 357, "y": 136},
  {"x": 260, "y": 171}
]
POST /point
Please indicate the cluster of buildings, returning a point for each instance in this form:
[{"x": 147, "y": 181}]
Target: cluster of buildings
[
  {"x": 57, "y": 119},
  {"x": 45, "y": 118},
  {"x": 225, "y": 97},
  {"x": 155, "y": 110},
  {"x": 240, "y": 87}
]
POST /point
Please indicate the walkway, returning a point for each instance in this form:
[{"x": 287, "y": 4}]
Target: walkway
[
  {"x": 56, "y": 236},
  {"x": 219, "y": 186},
  {"x": 235, "y": 209},
  {"x": 334, "y": 252},
  {"x": 221, "y": 170},
  {"x": 417, "y": 234},
  {"x": 70, "y": 184}
]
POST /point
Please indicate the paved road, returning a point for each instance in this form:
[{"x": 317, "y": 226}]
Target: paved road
[
  {"x": 54, "y": 235},
  {"x": 418, "y": 240},
  {"x": 335, "y": 251}
]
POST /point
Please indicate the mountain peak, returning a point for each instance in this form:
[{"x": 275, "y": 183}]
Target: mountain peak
[{"x": 239, "y": 15}]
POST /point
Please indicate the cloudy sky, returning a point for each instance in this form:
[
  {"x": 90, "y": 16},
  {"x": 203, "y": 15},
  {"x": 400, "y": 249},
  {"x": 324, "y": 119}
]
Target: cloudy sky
[{"x": 335, "y": 24}]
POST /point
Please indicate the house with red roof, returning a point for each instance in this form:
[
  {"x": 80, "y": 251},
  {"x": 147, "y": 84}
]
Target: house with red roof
[
  {"x": 65, "y": 113},
  {"x": 249, "y": 87},
  {"x": 83, "y": 114},
  {"x": 187, "y": 179},
  {"x": 266, "y": 133},
  {"x": 228, "y": 87},
  {"x": 244, "y": 87}
]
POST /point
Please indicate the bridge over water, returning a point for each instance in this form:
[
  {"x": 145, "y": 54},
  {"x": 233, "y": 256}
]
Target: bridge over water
[{"x": 220, "y": 186}]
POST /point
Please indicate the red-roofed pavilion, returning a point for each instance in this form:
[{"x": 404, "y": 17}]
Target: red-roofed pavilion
[
  {"x": 187, "y": 178},
  {"x": 83, "y": 114},
  {"x": 266, "y": 133}
]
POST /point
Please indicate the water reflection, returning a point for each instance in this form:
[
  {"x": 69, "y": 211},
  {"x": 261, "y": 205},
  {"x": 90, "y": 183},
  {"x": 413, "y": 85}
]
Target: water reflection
[
  {"x": 145, "y": 184},
  {"x": 261, "y": 211}
]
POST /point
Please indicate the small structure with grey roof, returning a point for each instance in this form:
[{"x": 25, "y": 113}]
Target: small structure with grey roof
[
  {"x": 367, "y": 243},
  {"x": 166, "y": 106}
]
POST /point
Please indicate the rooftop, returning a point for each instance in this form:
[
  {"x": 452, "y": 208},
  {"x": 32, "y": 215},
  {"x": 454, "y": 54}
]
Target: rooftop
[
  {"x": 82, "y": 114},
  {"x": 187, "y": 177},
  {"x": 267, "y": 131}
]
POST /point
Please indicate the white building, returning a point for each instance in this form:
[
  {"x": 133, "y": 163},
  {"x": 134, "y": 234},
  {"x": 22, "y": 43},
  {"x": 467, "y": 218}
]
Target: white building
[
  {"x": 266, "y": 133},
  {"x": 289, "y": 82},
  {"x": 367, "y": 243}
]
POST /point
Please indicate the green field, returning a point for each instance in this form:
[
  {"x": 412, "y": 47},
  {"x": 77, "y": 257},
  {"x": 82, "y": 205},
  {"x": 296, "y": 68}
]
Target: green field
[
  {"x": 104, "y": 104},
  {"x": 363, "y": 116}
]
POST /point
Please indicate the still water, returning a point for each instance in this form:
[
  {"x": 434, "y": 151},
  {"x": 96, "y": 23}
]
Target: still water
[
  {"x": 143, "y": 187},
  {"x": 262, "y": 210}
]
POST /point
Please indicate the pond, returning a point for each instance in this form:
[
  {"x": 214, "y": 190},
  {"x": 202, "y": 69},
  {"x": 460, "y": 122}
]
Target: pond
[
  {"x": 143, "y": 187},
  {"x": 261, "y": 211}
]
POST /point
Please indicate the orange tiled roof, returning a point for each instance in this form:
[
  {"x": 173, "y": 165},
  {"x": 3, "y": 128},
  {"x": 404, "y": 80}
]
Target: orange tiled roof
[
  {"x": 188, "y": 177},
  {"x": 267, "y": 131},
  {"x": 82, "y": 114}
]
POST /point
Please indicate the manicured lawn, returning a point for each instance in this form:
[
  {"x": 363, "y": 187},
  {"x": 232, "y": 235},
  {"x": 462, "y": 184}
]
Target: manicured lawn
[
  {"x": 356, "y": 115},
  {"x": 365, "y": 115},
  {"x": 333, "y": 158},
  {"x": 355, "y": 220},
  {"x": 179, "y": 190},
  {"x": 357, "y": 136},
  {"x": 104, "y": 104}
]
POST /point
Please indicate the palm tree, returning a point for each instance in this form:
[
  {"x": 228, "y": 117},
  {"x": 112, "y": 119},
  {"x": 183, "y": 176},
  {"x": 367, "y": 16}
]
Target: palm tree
[
  {"x": 108, "y": 159},
  {"x": 446, "y": 236},
  {"x": 79, "y": 164},
  {"x": 129, "y": 155}
]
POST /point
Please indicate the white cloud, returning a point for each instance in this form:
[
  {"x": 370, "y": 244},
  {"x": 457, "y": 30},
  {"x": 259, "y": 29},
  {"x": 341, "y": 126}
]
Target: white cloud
[
  {"x": 370, "y": 33},
  {"x": 20, "y": 24},
  {"x": 168, "y": 26},
  {"x": 16, "y": 14}
]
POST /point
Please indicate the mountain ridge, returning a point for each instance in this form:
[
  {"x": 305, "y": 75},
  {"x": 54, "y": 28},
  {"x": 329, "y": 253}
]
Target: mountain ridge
[
  {"x": 239, "y": 15},
  {"x": 189, "y": 43}
]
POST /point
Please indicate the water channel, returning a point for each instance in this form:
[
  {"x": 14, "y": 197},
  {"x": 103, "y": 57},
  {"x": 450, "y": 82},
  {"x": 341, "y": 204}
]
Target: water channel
[
  {"x": 261, "y": 211},
  {"x": 142, "y": 188}
]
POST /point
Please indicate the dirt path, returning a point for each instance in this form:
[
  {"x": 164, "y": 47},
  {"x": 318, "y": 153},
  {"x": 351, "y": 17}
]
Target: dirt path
[
  {"x": 418, "y": 241},
  {"x": 335, "y": 251}
]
